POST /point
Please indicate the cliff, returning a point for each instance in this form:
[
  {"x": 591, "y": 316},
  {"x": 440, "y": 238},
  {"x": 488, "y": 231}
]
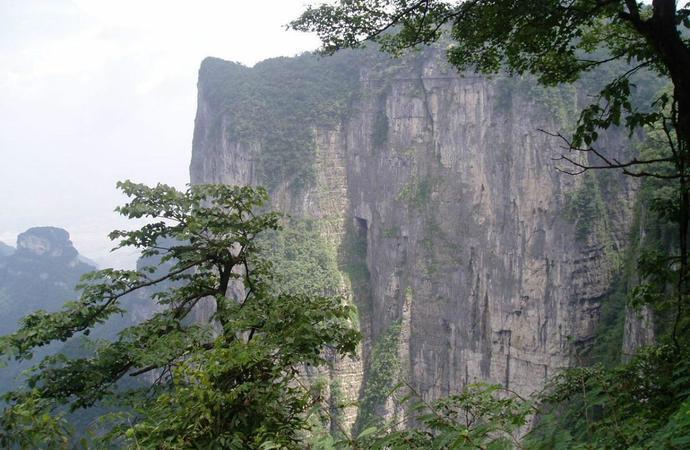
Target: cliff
[{"x": 469, "y": 255}]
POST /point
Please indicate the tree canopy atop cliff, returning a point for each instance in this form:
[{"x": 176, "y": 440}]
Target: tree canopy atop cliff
[{"x": 553, "y": 40}]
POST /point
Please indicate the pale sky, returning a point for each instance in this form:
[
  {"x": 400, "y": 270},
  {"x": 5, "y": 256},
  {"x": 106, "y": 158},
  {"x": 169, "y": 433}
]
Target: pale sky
[{"x": 95, "y": 91}]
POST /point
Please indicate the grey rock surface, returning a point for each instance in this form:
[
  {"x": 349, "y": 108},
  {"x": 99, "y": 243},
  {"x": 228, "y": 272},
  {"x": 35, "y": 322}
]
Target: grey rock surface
[{"x": 468, "y": 242}]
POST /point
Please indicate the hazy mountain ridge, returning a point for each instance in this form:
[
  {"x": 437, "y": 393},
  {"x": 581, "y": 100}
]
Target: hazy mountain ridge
[{"x": 40, "y": 274}]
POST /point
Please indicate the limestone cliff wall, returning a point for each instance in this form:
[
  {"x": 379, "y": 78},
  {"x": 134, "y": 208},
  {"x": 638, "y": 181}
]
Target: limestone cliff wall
[{"x": 470, "y": 243}]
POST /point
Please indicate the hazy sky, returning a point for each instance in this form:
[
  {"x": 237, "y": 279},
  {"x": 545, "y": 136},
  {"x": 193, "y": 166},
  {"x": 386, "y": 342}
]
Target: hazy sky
[{"x": 95, "y": 91}]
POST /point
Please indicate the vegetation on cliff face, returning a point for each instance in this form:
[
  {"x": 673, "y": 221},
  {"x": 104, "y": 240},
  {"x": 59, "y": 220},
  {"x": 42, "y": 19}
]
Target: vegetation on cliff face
[
  {"x": 277, "y": 104},
  {"x": 642, "y": 403},
  {"x": 383, "y": 374},
  {"x": 557, "y": 44},
  {"x": 302, "y": 262},
  {"x": 235, "y": 382}
]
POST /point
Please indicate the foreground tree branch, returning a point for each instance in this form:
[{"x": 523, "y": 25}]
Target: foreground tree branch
[{"x": 169, "y": 371}]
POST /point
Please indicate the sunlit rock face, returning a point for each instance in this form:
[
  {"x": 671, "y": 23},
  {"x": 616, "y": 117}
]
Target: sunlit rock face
[{"x": 469, "y": 239}]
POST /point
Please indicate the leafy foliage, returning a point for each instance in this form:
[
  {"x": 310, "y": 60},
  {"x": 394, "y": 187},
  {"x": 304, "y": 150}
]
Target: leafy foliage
[
  {"x": 481, "y": 416},
  {"x": 230, "y": 383},
  {"x": 30, "y": 424},
  {"x": 583, "y": 207},
  {"x": 379, "y": 135},
  {"x": 640, "y": 404},
  {"x": 643, "y": 403},
  {"x": 556, "y": 42},
  {"x": 30, "y": 280}
]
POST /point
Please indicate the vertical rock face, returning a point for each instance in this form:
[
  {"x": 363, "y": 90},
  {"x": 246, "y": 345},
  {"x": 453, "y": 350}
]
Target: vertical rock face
[
  {"x": 464, "y": 207},
  {"x": 471, "y": 244}
]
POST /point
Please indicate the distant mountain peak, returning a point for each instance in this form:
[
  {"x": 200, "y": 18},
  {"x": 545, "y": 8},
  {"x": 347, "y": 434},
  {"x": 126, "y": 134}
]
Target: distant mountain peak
[{"x": 46, "y": 242}]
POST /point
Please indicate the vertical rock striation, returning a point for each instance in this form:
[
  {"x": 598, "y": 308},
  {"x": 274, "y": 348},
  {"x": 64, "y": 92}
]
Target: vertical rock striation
[{"x": 465, "y": 235}]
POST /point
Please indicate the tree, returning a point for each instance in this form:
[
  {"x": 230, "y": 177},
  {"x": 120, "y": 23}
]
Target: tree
[
  {"x": 551, "y": 39},
  {"x": 480, "y": 416},
  {"x": 645, "y": 401},
  {"x": 556, "y": 41},
  {"x": 231, "y": 383}
]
